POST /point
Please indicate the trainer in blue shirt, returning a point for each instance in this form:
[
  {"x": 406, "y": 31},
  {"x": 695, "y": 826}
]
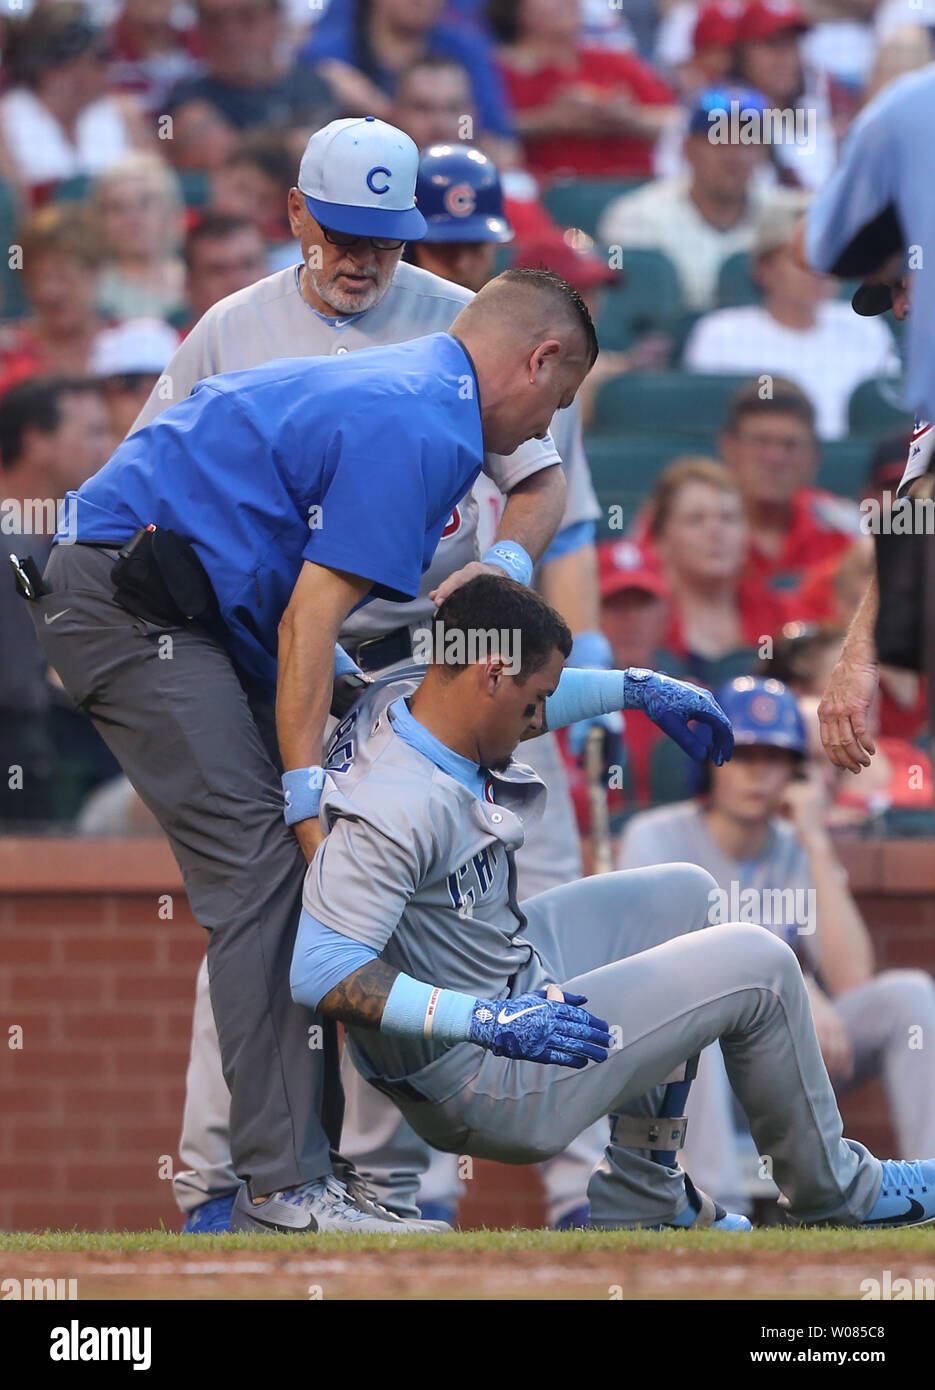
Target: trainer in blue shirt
[{"x": 353, "y": 462}]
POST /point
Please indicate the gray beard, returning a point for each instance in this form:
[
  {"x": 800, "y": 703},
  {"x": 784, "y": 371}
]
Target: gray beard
[{"x": 344, "y": 302}]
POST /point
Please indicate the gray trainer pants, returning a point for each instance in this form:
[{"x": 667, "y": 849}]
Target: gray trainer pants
[
  {"x": 169, "y": 704},
  {"x": 637, "y": 944}
]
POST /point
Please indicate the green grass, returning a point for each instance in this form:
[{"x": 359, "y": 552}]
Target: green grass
[{"x": 787, "y": 1240}]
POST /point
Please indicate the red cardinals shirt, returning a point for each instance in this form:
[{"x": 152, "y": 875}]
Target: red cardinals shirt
[{"x": 623, "y": 74}]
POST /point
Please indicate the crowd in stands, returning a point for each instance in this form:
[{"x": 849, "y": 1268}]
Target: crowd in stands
[{"x": 738, "y": 412}]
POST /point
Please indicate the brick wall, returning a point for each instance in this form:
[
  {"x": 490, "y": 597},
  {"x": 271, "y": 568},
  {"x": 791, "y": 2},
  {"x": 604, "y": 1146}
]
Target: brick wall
[{"x": 100, "y": 977}]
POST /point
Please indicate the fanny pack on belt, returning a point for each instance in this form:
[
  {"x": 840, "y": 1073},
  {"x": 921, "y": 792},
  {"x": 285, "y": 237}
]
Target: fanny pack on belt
[{"x": 159, "y": 577}]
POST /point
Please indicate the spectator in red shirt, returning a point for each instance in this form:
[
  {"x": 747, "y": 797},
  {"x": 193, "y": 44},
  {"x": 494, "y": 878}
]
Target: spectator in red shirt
[
  {"x": 150, "y": 52},
  {"x": 582, "y": 111},
  {"x": 769, "y": 445},
  {"x": 61, "y": 258},
  {"x": 719, "y": 616}
]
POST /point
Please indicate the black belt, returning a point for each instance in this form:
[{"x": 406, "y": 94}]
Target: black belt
[{"x": 375, "y": 653}]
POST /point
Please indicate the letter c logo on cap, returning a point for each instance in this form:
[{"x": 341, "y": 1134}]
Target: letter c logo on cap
[{"x": 379, "y": 169}]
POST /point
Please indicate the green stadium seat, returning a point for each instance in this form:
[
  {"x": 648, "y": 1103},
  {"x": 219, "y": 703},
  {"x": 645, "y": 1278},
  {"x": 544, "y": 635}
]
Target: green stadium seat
[
  {"x": 874, "y": 408},
  {"x": 649, "y": 300},
  {"x": 196, "y": 187},
  {"x": 580, "y": 202},
  {"x": 736, "y": 285},
  {"x": 673, "y": 402},
  {"x": 73, "y": 190},
  {"x": 624, "y": 469},
  {"x": 13, "y": 303},
  {"x": 844, "y": 465}
]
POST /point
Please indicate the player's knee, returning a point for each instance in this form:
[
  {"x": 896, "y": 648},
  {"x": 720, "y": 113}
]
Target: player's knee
[
  {"x": 909, "y": 995},
  {"x": 696, "y": 890}
]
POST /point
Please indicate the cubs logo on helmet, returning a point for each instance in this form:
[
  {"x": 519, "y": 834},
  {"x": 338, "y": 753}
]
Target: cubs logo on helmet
[{"x": 460, "y": 200}]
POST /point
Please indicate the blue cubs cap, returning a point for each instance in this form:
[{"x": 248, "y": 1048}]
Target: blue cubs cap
[
  {"x": 459, "y": 195},
  {"x": 358, "y": 176},
  {"x": 763, "y": 711},
  {"x": 718, "y": 100}
]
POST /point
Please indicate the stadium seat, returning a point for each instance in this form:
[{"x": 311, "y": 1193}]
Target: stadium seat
[
  {"x": 14, "y": 305},
  {"x": 736, "y": 285},
  {"x": 875, "y": 409},
  {"x": 649, "y": 300},
  {"x": 73, "y": 190},
  {"x": 580, "y": 202},
  {"x": 624, "y": 469},
  {"x": 693, "y": 403},
  {"x": 844, "y": 465}
]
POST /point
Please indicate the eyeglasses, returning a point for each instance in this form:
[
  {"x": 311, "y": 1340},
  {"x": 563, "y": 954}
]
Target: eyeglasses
[{"x": 378, "y": 243}]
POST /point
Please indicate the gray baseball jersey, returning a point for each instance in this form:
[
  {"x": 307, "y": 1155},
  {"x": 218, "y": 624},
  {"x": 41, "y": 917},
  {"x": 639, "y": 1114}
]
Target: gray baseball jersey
[
  {"x": 414, "y": 861},
  {"x": 270, "y": 319},
  {"x": 678, "y": 834}
]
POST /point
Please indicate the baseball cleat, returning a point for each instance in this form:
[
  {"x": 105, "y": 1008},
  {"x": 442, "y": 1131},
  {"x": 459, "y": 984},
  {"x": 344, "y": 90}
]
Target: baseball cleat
[
  {"x": 907, "y": 1195},
  {"x": 368, "y": 1199},
  {"x": 323, "y": 1205},
  {"x": 578, "y": 1219},
  {"x": 211, "y": 1218},
  {"x": 703, "y": 1213}
]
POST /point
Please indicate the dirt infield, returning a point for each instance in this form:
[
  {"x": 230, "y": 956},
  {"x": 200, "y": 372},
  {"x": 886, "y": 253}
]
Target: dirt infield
[{"x": 451, "y": 1273}]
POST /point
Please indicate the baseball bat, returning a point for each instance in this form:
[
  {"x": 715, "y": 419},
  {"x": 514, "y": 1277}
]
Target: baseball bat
[{"x": 597, "y": 800}]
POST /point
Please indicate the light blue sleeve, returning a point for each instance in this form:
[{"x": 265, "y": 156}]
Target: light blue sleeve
[
  {"x": 322, "y": 958},
  {"x": 583, "y": 694},
  {"x": 570, "y": 539}
]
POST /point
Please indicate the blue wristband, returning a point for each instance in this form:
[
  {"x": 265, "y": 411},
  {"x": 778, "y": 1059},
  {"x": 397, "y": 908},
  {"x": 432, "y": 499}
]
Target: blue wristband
[
  {"x": 510, "y": 556},
  {"x": 302, "y": 791},
  {"x": 417, "y": 1010}
]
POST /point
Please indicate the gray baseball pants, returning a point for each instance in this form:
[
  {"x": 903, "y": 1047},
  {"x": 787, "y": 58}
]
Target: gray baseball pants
[
  {"x": 202, "y": 756},
  {"x": 638, "y": 945}
]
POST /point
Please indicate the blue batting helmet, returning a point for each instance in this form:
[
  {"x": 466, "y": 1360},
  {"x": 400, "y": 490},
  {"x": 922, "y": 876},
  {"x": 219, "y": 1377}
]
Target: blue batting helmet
[
  {"x": 458, "y": 193},
  {"x": 763, "y": 712}
]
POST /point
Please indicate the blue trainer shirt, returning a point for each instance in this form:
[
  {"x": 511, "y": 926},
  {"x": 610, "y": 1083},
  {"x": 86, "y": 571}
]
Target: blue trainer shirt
[{"x": 354, "y": 461}]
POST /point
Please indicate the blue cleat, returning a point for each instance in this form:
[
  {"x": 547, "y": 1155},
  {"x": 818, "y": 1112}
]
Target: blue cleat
[
  {"x": 578, "y": 1219},
  {"x": 442, "y": 1215},
  {"x": 703, "y": 1212},
  {"x": 907, "y": 1196},
  {"x": 211, "y": 1218}
]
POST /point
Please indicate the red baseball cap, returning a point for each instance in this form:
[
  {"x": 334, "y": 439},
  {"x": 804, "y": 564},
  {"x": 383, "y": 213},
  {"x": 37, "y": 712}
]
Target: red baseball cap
[
  {"x": 625, "y": 565},
  {"x": 717, "y": 25},
  {"x": 574, "y": 260},
  {"x": 762, "y": 19}
]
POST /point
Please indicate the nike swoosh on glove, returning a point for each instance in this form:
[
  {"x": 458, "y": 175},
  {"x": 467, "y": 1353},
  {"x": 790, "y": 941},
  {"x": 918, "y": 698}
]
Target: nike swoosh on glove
[
  {"x": 534, "y": 1029},
  {"x": 672, "y": 705}
]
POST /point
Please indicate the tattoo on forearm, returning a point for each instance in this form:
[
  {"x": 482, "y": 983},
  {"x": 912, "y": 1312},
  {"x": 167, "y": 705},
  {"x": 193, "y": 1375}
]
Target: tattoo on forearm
[{"x": 360, "y": 999}]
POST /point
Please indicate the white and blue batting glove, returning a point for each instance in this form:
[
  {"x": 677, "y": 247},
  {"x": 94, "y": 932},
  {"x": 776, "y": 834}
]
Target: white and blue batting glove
[
  {"x": 532, "y": 1028},
  {"x": 671, "y": 704}
]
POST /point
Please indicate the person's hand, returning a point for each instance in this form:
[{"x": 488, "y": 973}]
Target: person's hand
[
  {"x": 805, "y": 803},
  {"x": 844, "y": 711},
  {"x": 534, "y": 1028},
  {"x": 672, "y": 705},
  {"x": 461, "y": 576},
  {"x": 832, "y": 1035},
  {"x": 581, "y": 110},
  {"x": 309, "y": 835}
]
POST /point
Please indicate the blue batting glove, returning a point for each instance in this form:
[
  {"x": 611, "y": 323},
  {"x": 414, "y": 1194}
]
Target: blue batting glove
[
  {"x": 672, "y": 705},
  {"x": 532, "y": 1028}
]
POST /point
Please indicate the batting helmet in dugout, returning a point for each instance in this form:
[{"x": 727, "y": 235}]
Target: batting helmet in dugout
[
  {"x": 458, "y": 193},
  {"x": 763, "y": 711}
]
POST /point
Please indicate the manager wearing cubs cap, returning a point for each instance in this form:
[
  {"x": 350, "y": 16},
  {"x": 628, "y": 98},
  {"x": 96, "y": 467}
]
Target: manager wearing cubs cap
[{"x": 347, "y": 292}]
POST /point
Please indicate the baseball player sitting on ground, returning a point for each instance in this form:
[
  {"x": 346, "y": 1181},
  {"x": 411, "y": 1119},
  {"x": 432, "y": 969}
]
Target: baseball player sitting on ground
[{"x": 466, "y": 1007}]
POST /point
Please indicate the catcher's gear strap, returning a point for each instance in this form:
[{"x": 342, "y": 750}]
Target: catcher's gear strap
[
  {"x": 707, "y": 1209},
  {"x": 651, "y": 1132}
]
